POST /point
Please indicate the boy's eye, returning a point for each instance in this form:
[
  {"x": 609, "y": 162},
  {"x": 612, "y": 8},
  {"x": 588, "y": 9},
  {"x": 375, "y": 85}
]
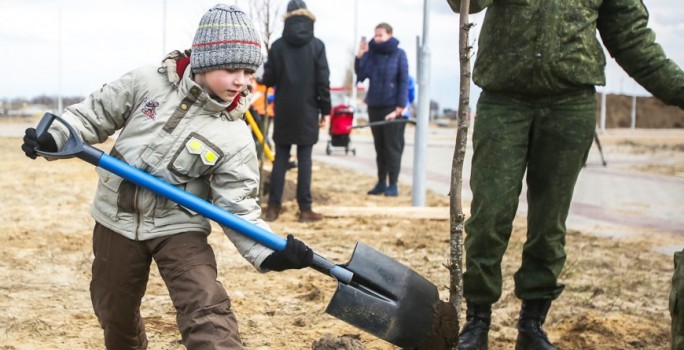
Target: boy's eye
[{"x": 237, "y": 70}]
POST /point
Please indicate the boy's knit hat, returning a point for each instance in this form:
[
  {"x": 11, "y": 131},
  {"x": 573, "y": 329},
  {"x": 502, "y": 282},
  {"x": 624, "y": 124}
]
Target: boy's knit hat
[{"x": 225, "y": 39}]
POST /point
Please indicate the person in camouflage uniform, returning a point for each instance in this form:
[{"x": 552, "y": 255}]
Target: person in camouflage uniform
[
  {"x": 677, "y": 302},
  {"x": 538, "y": 63}
]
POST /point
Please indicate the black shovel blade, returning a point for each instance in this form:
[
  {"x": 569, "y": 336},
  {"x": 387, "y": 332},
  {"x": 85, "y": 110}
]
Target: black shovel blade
[{"x": 386, "y": 299}]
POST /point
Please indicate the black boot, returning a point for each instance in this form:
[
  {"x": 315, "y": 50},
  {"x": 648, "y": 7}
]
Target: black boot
[
  {"x": 531, "y": 336},
  {"x": 475, "y": 333}
]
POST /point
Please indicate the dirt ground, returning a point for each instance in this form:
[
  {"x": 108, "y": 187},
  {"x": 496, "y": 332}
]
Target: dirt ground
[{"x": 615, "y": 298}]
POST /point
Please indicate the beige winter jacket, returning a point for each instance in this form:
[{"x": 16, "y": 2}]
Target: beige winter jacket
[{"x": 174, "y": 131}]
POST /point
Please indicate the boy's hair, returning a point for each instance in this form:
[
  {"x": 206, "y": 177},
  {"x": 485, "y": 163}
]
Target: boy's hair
[
  {"x": 225, "y": 39},
  {"x": 385, "y": 26}
]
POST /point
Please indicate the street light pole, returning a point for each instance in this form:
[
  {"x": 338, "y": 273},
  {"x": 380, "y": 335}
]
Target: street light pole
[
  {"x": 353, "y": 95},
  {"x": 60, "y": 102},
  {"x": 603, "y": 111},
  {"x": 633, "y": 114},
  {"x": 164, "y": 28},
  {"x": 423, "y": 117}
]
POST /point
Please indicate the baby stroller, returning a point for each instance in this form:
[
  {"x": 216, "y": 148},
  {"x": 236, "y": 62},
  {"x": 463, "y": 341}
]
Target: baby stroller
[{"x": 341, "y": 119}]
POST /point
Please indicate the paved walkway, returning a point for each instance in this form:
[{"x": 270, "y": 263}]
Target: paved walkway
[{"x": 609, "y": 201}]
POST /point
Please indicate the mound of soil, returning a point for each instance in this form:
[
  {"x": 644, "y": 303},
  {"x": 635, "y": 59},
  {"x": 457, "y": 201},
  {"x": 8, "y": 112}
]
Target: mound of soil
[{"x": 650, "y": 113}]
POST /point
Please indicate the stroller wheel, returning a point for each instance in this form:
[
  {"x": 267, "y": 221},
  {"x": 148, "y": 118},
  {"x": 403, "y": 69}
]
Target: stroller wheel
[
  {"x": 328, "y": 149},
  {"x": 346, "y": 150},
  {"x": 354, "y": 152}
]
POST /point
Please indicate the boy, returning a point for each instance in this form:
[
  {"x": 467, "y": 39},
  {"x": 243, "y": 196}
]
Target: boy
[{"x": 182, "y": 125}]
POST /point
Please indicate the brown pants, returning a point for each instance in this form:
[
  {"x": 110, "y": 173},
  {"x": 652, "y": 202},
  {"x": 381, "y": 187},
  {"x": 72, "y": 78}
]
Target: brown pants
[{"x": 188, "y": 266}]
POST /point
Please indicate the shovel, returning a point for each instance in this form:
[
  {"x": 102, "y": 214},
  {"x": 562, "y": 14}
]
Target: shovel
[
  {"x": 375, "y": 292},
  {"x": 385, "y": 122}
]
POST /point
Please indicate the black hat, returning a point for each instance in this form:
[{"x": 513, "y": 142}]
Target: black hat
[{"x": 295, "y": 5}]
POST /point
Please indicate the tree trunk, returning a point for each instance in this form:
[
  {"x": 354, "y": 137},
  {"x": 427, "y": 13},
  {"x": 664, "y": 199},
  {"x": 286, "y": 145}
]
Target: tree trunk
[{"x": 456, "y": 208}]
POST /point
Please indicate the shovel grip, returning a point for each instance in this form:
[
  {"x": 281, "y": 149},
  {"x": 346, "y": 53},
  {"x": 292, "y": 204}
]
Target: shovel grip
[
  {"x": 73, "y": 146},
  {"x": 44, "y": 123}
]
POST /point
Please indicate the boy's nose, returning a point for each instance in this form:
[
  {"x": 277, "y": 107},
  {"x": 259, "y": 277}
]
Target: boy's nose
[{"x": 240, "y": 78}]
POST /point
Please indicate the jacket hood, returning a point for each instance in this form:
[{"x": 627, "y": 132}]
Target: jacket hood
[
  {"x": 384, "y": 48},
  {"x": 298, "y": 30}
]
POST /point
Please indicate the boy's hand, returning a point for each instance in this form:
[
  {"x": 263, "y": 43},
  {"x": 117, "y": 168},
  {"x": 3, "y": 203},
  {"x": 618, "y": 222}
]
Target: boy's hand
[
  {"x": 296, "y": 255},
  {"x": 32, "y": 142}
]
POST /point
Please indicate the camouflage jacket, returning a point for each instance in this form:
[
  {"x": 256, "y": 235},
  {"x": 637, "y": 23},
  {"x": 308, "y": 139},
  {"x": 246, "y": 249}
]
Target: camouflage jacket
[{"x": 549, "y": 47}]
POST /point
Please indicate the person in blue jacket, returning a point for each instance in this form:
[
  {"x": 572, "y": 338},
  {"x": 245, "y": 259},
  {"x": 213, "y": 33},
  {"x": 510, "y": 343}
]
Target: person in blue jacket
[{"x": 384, "y": 64}]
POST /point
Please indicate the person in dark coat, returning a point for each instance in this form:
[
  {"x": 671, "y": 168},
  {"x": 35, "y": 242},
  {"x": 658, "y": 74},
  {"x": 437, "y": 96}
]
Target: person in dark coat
[
  {"x": 297, "y": 66},
  {"x": 385, "y": 65}
]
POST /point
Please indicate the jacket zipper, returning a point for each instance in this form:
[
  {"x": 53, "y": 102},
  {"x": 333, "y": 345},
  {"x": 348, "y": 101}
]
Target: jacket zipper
[{"x": 138, "y": 217}]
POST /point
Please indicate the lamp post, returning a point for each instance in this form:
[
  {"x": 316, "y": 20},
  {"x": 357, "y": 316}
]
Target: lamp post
[{"x": 423, "y": 117}]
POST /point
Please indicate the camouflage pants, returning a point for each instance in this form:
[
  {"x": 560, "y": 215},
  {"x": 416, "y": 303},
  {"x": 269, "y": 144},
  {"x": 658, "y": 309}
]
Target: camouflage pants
[
  {"x": 677, "y": 302},
  {"x": 550, "y": 139}
]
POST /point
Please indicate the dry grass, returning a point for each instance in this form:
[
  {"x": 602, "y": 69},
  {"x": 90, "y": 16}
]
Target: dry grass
[{"x": 616, "y": 295}]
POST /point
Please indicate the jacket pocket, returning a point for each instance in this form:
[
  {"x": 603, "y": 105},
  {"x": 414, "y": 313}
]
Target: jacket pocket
[
  {"x": 198, "y": 187},
  {"x": 195, "y": 157},
  {"x": 178, "y": 215},
  {"x": 107, "y": 194},
  {"x": 580, "y": 55}
]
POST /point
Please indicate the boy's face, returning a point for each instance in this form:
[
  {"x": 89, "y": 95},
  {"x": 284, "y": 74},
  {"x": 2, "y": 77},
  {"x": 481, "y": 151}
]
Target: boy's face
[{"x": 225, "y": 84}]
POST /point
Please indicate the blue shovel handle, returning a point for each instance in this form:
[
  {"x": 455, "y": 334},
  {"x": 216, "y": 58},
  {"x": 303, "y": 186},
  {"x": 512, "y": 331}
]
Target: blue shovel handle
[{"x": 75, "y": 147}]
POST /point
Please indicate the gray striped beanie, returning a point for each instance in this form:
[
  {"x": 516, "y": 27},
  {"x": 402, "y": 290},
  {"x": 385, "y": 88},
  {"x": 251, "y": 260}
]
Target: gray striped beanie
[{"x": 225, "y": 39}]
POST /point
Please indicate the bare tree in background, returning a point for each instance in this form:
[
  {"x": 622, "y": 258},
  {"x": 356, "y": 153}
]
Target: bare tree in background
[
  {"x": 265, "y": 14},
  {"x": 456, "y": 208},
  {"x": 349, "y": 82}
]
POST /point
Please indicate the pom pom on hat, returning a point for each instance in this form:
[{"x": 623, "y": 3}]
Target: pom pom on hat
[{"x": 225, "y": 39}]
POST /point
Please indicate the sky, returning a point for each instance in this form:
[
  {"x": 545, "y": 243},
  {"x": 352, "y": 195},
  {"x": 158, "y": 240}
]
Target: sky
[{"x": 73, "y": 47}]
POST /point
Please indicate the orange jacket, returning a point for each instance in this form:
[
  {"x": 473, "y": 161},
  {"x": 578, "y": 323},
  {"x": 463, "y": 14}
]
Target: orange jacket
[{"x": 260, "y": 104}]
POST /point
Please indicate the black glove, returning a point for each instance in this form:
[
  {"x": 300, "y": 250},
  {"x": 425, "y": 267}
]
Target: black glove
[
  {"x": 32, "y": 142},
  {"x": 296, "y": 255}
]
